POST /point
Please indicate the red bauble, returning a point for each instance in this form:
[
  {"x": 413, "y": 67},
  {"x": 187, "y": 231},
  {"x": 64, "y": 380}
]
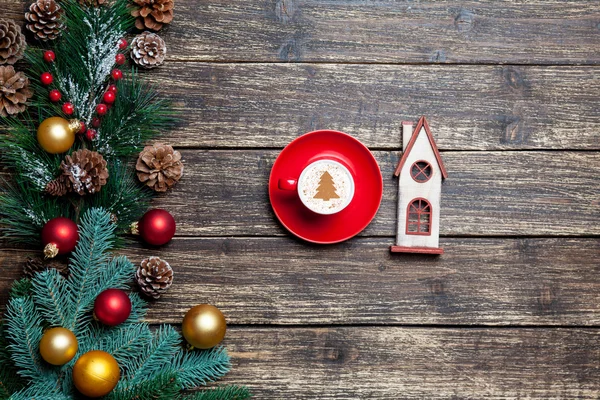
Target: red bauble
[
  {"x": 82, "y": 129},
  {"x": 116, "y": 74},
  {"x": 112, "y": 88},
  {"x": 109, "y": 97},
  {"x": 157, "y": 227},
  {"x": 46, "y": 78},
  {"x": 120, "y": 59},
  {"x": 49, "y": 56},
  {"x": 54, "y": 96},
  {"x": 68, "y": 108},
  {"x": 122, "y": 44},
  {"x": 112, "y": 307},
  {"x": 101, "y": 109},
  {"x": 59, "y": 236},
  {"x": 91, "y": 134}
]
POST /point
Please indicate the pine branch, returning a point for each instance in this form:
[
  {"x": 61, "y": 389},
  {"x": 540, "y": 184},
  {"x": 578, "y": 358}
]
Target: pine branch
[
  {"x": 24, "y": 332},
  {"x": 161, "y": 387},
  {"x": 156, "y": 356},
  {"x": 198, "y": 367},
  {"x": 10, "y": 381},
  {"x": 50, "y": 294},
  {"x": 221, "y": 393},
  {"x": 40, "y": 390},
  {"x": 20, "y": 288}
]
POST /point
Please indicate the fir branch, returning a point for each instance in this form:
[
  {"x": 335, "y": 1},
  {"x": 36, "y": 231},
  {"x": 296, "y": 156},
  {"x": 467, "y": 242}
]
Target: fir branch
[
  {"x": 51, "y": 296},
  {"x": 139, "y": 307},
  {"x": 10, "y": 381},
  {"x": 20, "y": 288},
  {"x": 24, "y": 332},
  {"x": 96, "y": 235},
  {"x": 161, "y": 387},
  {"x": 198, "y": 367},
  {"x": 156, "y": 356},
  {"x": 229, "y": 392},
  {"x": 40, "y": 390}
]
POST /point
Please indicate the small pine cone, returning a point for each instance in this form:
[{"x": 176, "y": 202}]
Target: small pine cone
[
  {"x": 44, "y": 19},
  {"x": 58, "y": 187},
  {"x": 159, "y": 167},
  {"x": 14, "y": 91},
  {"x": 152, "y": 14},
  {"x": 34, "y": 265},
  {"x": 148, "y": 50},
  {"x": 12, "y": 42},
  {"x": 154, "y": 276},
  {"x": 85, "y": 171}
]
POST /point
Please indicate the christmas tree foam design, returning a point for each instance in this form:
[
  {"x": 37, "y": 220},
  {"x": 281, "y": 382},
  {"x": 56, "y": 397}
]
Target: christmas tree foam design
[{"x": 326, "y": 189}]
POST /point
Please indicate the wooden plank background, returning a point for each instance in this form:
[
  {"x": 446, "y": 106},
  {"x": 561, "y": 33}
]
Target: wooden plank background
[{"x": 511, "y": 310}]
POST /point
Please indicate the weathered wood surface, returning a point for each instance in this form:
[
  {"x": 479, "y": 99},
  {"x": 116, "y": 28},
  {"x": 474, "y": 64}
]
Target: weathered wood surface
[
  {"x": 279, "y": 281},
  {"x": 416, "y": 363},
  {"x": 383, "y": 31},
  {"x": 224, "y": 192},
  {"x": 471, "y": 107}
]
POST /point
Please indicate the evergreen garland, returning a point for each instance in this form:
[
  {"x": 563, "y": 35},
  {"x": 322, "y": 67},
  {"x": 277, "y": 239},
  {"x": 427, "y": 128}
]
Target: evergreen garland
[{"x": 154, "y": 364}]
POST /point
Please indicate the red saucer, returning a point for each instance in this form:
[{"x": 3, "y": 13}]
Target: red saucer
[{"x": 351, "y": 220}]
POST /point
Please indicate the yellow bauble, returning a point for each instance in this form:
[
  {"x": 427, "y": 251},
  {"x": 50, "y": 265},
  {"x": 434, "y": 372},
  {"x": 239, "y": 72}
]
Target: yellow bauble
[
  {"x": 58, "y": 346},
  {"x": 204, "y": 326},
  {"x": 57, "y": 135},
  {"x": 96, "y": 373}
]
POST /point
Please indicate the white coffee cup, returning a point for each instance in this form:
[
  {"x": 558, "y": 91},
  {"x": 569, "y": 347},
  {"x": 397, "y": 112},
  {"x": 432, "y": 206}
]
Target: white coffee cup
[{"x": 325, "y": 186}]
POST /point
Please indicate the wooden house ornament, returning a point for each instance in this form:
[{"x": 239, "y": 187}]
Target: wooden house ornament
[{"x": 421, "y": 171}]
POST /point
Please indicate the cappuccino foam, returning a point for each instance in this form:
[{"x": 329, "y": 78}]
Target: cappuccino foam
[{"x": 326, "y": 187}]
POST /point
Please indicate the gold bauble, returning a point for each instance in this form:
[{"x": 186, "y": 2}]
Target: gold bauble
[
  {"x": 204, "y": 326},
  {"x": 57, "y": 135},
  {"x": 96, "y": 373},
  {"x": 58, "y": 346}
]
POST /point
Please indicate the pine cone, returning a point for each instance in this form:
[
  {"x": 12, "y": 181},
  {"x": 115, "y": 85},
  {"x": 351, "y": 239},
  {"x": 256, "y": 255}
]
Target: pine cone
[
  {"x": 12, "y": 42},
  {"x": 159, "y": 167},
  {"x": 148, "y": 50},
  {"x": 154, "y": 276},
  {"x": 84, "y": 171},
  {"x": 34, "y": 265},
  {"x": 44, "y": 19},
  {"x": 14, "y": 91},
  {"x": 152, "y": 14},
  {"x": 58, "y": 187}
]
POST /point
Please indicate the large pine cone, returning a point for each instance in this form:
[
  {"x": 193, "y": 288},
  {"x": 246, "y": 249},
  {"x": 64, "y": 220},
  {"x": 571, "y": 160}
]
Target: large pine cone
[
  {"x": 148, "y": 50},
  {"x": 12, "y": 42},
  {"x": 152, "y": 14},
  {"x": 84, "y": 171},
  {"x": 159, "y": 167},
  {"x": 154, "y": 276},
  {"x": 14, "y": 91},
  {"x": 44, "y": 19},
  {"x": 34, "y": 265}
]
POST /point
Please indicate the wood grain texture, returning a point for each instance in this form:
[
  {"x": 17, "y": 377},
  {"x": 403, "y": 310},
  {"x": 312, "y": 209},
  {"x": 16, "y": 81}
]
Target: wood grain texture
[
  {"x": 283, "y": 281},
  {"x": 416, "y": 363},
  {"x": 468, "y": 107},
  {"x": 383, "y": 31},
  {"x": 224, "y": 192}
]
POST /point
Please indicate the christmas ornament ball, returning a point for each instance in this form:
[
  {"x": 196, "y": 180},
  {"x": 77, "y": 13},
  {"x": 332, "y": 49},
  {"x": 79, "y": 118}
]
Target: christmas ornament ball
[
  {"x": 96, "y": 373},
  {"x": 112, "y": 307},
  {"x": 58, "y": 346},
  {"x": 157, "y": 227},
  {"x": 59, "y": 236},
  {"x": 57, "y": 135},
  {"x": 204, "y": 326}
]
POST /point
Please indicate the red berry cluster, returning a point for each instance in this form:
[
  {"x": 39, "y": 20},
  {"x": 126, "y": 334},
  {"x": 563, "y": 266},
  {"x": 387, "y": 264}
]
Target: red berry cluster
[{"x": 55, "y": 95}]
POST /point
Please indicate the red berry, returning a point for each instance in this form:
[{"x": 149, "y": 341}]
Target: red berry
[
  {"x": 49, "y": 56},
  {"x": 112, "y": 88},
  {"x": 101, "y": 109},
  {"x": 68, "y": 108},
  {"x": 96, "y": 122},
  {"x": 122, "y": 44},
  {"x": 55, "y": 96},
  {"x": 109, "y": 97},
  {"x": 46, "y": 78},
  {"x": 116, "y": 74},
  {"x": 91, "y": 134},
  {"x": 82, "y": 128},
  {"x": 120, "y": 59}
]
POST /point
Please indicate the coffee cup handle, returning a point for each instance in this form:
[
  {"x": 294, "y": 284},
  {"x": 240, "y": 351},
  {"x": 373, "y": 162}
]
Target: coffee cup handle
[{"x": 287, "y": 184}]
